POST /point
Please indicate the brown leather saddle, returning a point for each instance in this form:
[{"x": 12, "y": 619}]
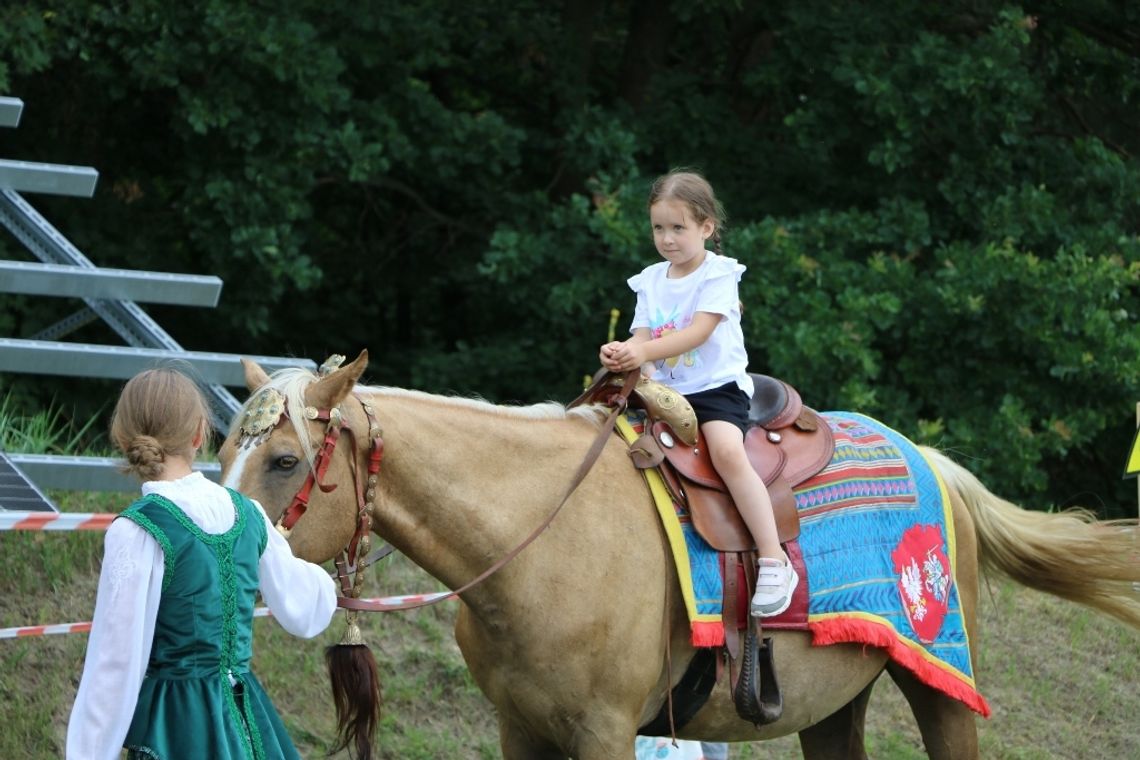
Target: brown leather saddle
[{"x": 787, "y": 443}]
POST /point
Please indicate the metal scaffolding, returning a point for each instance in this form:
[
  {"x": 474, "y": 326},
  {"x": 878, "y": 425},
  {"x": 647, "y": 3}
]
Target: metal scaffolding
[
  {"x": 109, "y": 295},
  {"x": 114, "y": 284}
]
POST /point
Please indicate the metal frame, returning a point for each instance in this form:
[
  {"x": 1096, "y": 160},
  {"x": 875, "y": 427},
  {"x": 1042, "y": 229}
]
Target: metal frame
[
  {"x": 126, "y": 318},
  {"x": 42, "y": 357},
  {"x": 108, "y": 295},
  {"x": 88, "y": 473},
  {"x": 10, "y": 110},
  {"x": 67, "y": 325},
  {"x": 54, "y": 179},
  {"x": 65, "y": 281},
  {"x": 19, "y": 493}
]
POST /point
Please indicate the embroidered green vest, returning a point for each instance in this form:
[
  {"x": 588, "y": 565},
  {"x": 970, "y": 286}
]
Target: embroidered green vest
[{"x": 198, "y": 698}]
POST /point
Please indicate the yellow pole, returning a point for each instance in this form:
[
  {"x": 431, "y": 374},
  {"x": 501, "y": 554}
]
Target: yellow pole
[{"x": 614, "y": 315}]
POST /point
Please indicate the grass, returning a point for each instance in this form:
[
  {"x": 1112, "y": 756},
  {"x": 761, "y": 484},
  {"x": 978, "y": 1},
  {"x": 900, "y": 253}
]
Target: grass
[
  {"x": 1060, "y": 679},
  {"x": 48, "y": 431}
]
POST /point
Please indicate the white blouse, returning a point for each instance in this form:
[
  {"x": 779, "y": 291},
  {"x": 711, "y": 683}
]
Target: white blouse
[{"x": 301, "y": 596}]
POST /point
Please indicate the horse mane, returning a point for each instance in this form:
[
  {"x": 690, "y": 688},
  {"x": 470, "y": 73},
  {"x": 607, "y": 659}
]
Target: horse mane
[{"x": 292, "y": 382}]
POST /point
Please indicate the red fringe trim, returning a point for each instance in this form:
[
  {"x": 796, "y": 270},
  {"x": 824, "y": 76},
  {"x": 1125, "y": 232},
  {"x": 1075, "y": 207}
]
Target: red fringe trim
[
  {"x": 866, "y": 632},
  {"x": 707, "y": 634}
]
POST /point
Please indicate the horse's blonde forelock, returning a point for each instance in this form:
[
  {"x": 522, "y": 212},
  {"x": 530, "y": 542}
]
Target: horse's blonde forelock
[{"x": 290, "y": 382}]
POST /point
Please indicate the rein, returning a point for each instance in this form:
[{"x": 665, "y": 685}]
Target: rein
[{"x": 360, "y": 541}]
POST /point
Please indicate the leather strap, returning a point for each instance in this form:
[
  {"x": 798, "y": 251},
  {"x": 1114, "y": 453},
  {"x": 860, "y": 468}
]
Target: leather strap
[
  {"x": 730, "y": 602},
  {"x": 619, "y": 401},
  {"x": 667, "y": 624},
  {"x": 375, "y": 556},
  {"x": 688, "y": 696},
  {"x": 316, "y": 476}
]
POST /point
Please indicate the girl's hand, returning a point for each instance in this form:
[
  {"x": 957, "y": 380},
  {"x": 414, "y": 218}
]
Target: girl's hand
[
  {"x": 606, "y": 356},
  {"x": 623, "y": 356}
]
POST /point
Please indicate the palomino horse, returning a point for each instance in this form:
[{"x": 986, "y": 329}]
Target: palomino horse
[{"x": 568, "y": 640}]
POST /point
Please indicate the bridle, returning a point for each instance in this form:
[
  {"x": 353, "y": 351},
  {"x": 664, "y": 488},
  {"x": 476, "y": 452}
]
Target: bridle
[
  {"x": 267, "y": 410},
  {"x": 335, "y": 424},
  {"x": 365, "y": 494}
]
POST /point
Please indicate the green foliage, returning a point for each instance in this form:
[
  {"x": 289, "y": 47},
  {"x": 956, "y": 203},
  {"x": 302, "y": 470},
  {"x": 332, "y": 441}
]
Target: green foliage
[
  {"x": 47, "y": 431},
  {"x": 937, "y": 203}
]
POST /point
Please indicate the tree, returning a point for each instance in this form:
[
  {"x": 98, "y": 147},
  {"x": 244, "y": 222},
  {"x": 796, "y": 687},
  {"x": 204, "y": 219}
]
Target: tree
[{"x": 937, "y": 204}]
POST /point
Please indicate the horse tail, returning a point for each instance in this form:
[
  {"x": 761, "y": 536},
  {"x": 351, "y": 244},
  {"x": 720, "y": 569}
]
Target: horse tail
[
  {"x": 1069, "y": 554},
  {"x": 356, "y": 694}
]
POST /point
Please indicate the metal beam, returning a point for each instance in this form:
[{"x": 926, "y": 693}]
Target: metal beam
[
  {"x": 88, "y": 473},
  {"x": 118, "y": 284},
  {"x": 18, "y": 492},
  {"x": 48, "y": 245},
  {"x": 67, "y": 325},
  {"x": 39, "y": 357},
  {"x": 126, "y": 318},
  {"x": 10, "y": 110},
  {"x": 54, "y": 179}
]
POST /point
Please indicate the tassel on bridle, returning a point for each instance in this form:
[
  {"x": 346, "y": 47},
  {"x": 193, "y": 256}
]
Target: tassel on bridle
[{"x": 353, "y": 675}]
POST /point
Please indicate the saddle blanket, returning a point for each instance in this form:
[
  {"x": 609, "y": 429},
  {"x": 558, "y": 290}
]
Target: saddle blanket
[{"x": 877, "y": 543}]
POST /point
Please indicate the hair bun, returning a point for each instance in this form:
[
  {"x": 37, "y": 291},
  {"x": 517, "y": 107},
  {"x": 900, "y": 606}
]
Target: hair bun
[{"x": 145, "y": 457}]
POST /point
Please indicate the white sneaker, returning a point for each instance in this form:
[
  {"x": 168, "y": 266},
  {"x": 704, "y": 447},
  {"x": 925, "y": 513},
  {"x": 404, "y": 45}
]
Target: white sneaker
[{"x": 776, "y": 580}]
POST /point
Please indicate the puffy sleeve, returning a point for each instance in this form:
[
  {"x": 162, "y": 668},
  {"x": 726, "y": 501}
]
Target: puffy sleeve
[
  {"x": 720, "y": 291},
  {"x": 638, "y": 284},
  {"x": 301, "y": 595},
  {"x": 118, "y": 648},
  {"x": 640, "y": 313}
]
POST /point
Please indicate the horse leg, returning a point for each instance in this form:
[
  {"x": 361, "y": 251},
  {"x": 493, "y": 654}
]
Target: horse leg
[
  {"x": 518, "y": 744},
  {"x": 839, "y": 736},
  {"x": 948, "y": 727},
  {"x": 588, "y": 744}
]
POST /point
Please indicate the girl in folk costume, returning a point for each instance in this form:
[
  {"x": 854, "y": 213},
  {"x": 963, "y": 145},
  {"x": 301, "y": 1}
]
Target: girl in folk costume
[
  {"x": 686, "y": 334},
  {"x": 167, "y": 669}
]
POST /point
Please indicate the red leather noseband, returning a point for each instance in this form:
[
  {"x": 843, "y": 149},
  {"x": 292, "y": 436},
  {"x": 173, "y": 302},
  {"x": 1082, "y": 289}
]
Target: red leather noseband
[
  {"x": 336, "y": 424},
  {"x": 321, "y": 463}
]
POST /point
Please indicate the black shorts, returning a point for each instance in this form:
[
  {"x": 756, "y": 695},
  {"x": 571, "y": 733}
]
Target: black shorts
[{"x": 727, "y": 403}]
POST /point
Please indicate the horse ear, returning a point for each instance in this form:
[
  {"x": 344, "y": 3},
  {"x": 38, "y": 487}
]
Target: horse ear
[
  {"x": 330, "y": 389},
  {"x": 255, "y": 376}
]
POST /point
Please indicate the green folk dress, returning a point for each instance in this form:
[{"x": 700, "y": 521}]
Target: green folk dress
[{"x": 199, "y": 699}]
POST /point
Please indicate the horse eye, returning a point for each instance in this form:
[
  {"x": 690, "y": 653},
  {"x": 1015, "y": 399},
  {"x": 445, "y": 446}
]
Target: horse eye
[{"x": 287, "y": 462}]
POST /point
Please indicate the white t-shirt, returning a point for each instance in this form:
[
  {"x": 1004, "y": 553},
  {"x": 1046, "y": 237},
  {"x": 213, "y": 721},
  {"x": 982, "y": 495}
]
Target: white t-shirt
[{"x": 665, "y": 306}]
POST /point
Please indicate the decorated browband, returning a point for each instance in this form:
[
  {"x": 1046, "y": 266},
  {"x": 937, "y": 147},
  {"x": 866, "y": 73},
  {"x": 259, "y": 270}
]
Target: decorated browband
[{"x": 264, "y": 411}]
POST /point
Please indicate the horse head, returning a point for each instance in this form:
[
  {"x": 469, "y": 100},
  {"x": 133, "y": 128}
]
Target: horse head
[{"x": 276, "y": 452}]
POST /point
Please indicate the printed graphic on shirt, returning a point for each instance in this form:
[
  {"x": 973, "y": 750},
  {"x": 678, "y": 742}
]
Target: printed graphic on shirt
[{"x": 663, "y": 325}]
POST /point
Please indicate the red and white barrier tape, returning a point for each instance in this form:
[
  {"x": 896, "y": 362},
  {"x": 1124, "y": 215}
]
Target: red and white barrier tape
[
  {"x": 100, "y": 521},
  {"x": 56, "y": 520},
  {"x": 47, "y": 630},
  {"x": 43, "y": 630}
]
